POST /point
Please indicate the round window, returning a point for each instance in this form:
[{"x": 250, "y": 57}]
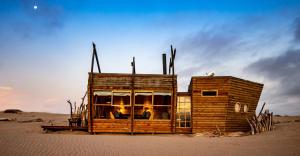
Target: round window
[
  {"x": 246, "y": 108},
  {"x": 237, "y": 107}
]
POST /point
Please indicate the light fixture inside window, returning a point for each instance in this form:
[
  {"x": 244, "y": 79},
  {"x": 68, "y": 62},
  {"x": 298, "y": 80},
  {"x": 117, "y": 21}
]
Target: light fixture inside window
[
  {"x": 246, "y": 108},
  {"x": 237, "y": 107}
]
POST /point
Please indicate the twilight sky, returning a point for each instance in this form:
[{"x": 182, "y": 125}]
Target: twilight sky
[{"x": 45, "y": 53}]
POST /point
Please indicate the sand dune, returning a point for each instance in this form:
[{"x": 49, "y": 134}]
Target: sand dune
[{"x": 27, "y": 138}]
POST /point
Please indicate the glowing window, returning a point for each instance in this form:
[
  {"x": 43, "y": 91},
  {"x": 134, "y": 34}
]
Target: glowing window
[
  {"x": 143, "y": 98},
  {"x": 121, "y": 98},
  {"x": 183, "y": 113}
]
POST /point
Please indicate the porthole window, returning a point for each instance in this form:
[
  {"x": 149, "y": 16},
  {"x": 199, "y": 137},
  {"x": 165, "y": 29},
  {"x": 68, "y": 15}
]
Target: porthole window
[
  {"x": 246, "y": 108},
  {"x": 237, "y": 107}
]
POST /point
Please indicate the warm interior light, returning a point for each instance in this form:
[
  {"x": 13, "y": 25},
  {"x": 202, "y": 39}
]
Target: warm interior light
[
  {"x": 147, "y": 104},
  {"x": 122, "y": 108}
]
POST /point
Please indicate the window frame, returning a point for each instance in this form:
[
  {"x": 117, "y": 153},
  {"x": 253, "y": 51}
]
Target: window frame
[
  {"x": 152, "y": 106},
  {"x": 101, "y": 104},
  {"x": 121, "y": 91},
  {"x": 210, "y": 90},
  {"x": 144, "y": 91},
  {"x": 111, "y": 105},
  {"x": 169, "y": 107},
  {"x": 178, "y": 112},
  {"x": 166, "y": 94}
]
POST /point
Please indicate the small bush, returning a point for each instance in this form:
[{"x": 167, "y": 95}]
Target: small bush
[{"x": 12, "y": 111}]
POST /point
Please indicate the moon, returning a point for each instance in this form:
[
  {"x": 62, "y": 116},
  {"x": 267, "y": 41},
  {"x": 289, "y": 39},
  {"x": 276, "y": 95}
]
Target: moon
[{"x": 35, "y": 7}]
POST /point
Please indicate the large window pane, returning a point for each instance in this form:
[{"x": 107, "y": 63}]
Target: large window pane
[
  {"x": 162, "y": 99},
  {"x": 111, "y": 112},
  {"x": 141, "y": 112},
  {"x": 183, "y": 114},
  {"x": 121, "y": 112},
  {"x": 143, "y": 98},
  {"x": 162, "y": 106},
  {"x": 162, "y": 113},
  {"x": 102, "y": 97},
  {"x": 143, "y": 105},
  {"x": 121, "y": 105},
  {"x": 102, "y": 112},
  {"x": 112, "y": 105},
  {"x": 121, "y": 98}
]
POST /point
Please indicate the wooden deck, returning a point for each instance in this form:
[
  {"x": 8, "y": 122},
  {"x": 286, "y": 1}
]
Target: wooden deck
[{"x": 62, "y": 128}]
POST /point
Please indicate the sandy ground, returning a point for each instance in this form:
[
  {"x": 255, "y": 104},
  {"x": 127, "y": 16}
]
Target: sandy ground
[{"x": 28, "y": 139}]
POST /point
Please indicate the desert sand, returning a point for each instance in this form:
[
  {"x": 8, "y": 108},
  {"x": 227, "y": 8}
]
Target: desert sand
[{"x": 27, "y": 138}]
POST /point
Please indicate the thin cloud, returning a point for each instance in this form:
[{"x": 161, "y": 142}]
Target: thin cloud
[
  {"x": 210, "y": 44},
  {"x": 231, "y": 51},
  {"x": 284, "y": 68},
  {"x": 6, "y": 88},
  {"x": 51, "y": 100},
  {"x": 205, "y": 49},
  {"x": 297, "y": 30}
]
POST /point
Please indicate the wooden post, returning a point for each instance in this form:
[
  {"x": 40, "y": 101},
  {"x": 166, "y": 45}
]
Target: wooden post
[
  {"x": 96, "y": 56},
  {"x": 91, "y": 93},
  {"x": 132, "y": 95},
  {"x": 172, "y": 65},
  {"x": 262, "y": 108},
  {"x": 164, "y": 63}
]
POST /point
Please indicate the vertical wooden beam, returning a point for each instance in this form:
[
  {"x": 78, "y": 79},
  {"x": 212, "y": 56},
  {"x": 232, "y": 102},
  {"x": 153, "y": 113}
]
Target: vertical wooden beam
[
  {"x": 164, "y": 63},
  {"x": 96, "y": 56},
  {"x": 173, "y": 105},
  {"x": 91, "y": 82},
  {"x": 172, "y": 65},
  {"x": 91, "y": 93},
  {"x": 133, "y": 65},
  {"x": 173, "y": 61},
  {"x": 192, "y": 104},
  {"x": 132, "y": 95}
]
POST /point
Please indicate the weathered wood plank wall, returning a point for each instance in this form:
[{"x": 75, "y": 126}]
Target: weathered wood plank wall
[
  {"x": 208, "y": 113},
  {"x": 246, "y": 93},
  {"x": 151, "y": 82}
]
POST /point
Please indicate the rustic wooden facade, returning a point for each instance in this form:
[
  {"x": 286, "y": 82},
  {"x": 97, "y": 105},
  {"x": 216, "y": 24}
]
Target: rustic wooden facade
[
  {"x": 212, "y": 103},
  {"x": 223, "y": 103},
  {"x": 146, "y": 94},
  {"x": 150, "y": 103}
]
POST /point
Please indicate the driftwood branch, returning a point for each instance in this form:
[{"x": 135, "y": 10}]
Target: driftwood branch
[
  {"x": 262, "y": 108},
  {"x": 261, "y": 123},
  {"x": 71, "y": 108}
]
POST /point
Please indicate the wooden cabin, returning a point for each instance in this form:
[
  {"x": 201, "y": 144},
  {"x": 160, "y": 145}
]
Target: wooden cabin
[
  {"x": 222, "y": 102},
  {"x": 150, "y": 103},
  {"x": 126, "y": 103}
]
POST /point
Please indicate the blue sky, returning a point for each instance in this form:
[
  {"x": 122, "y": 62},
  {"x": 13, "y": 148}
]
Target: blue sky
[{"x": 45, "y": 53}]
